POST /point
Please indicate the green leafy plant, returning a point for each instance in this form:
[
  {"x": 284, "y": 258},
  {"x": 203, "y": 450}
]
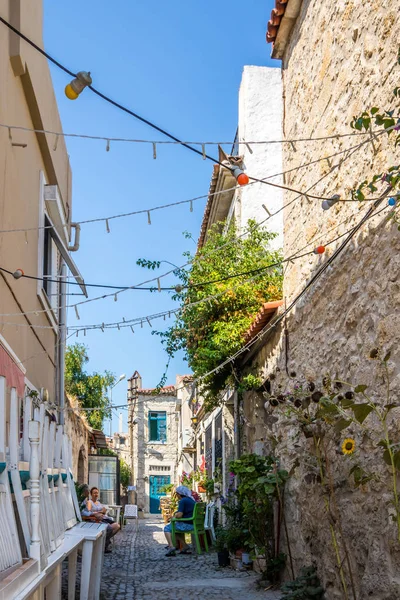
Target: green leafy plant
[
  {"x": 124, "y": 474},
  {"x": 209, "y": 486},
  {"x": 305, "y": 587},
  {"x": 89, "y": 390},
  {"x": 274, "y": 567},
  {"x": 260, "y": 482},
  {"x": 167, "y": 489},
  {"x": 249, "y": 382},
  {"x": 210, "y": 331},
  {"x": 221, "y": 539}
]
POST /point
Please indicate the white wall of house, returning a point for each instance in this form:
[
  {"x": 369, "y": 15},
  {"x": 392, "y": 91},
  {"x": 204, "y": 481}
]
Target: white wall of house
[
  {"x": 185, "y": 460},
  {"x": 260, "y": 119}
]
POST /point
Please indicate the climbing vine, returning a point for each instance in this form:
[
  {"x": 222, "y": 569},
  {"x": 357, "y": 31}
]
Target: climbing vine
[
  {"x": 210, "y": 331},
  {"x": 389, "y": 121}
]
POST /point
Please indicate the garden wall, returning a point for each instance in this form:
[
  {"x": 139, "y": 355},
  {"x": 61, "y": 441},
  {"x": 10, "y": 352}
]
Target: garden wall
[{"x": 341, "y": 60}]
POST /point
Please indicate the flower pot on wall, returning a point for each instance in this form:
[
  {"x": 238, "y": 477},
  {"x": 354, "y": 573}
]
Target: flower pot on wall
[{"x": 201, "y": 489}]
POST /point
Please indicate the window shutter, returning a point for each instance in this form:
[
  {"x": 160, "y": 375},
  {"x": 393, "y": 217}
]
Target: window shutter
[{"x": 162, "y": 427}]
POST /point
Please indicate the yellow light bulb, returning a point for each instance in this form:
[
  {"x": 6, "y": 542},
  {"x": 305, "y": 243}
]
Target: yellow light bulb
[{"x": 70, "y": 93}]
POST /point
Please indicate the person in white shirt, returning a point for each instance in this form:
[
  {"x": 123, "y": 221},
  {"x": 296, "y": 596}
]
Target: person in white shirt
[{"x": 94, "y": 510}]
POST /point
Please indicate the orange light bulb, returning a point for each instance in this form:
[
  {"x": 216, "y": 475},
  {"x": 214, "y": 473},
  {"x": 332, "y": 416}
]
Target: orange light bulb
[
  {"x": 70, "y": 92},
  {"x": 243, "y": 179}
]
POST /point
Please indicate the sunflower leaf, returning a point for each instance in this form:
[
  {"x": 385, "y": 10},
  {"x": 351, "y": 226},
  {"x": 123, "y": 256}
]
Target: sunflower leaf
[
  {"x": 361, "y": 411},
  {"x": 342, "y": 424},
  {"x": 360, "y": 389},
  {"x": 346, "y": 403}
]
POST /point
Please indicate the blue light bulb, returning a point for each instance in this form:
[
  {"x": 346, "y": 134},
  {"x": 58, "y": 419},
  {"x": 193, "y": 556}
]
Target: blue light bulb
[{"x": 392, "y": 201}]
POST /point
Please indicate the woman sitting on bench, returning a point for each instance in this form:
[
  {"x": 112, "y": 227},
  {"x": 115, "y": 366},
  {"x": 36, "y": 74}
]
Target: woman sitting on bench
[
  {"x": 185, "y": 511},
  {"x": 93, "y": 510}
]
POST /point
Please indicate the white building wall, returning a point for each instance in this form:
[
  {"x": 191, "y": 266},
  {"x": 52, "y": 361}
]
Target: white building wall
[{"x": 260, "y": 119}]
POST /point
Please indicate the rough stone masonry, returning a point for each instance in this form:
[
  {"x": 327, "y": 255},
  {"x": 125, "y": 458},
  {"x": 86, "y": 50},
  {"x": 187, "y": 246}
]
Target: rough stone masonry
[{"x": 341, "y": 60}]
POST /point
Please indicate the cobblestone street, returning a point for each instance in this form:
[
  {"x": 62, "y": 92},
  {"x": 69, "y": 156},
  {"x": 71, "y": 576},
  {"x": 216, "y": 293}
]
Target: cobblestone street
[{"x": 137, "y": 569}]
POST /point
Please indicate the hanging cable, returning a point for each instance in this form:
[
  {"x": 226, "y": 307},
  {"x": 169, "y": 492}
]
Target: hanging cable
[{"x": 147, "y": 121}]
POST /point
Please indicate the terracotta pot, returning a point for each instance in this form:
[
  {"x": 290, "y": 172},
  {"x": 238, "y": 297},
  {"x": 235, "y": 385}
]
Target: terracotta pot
[{"x": 201, "y": 488}]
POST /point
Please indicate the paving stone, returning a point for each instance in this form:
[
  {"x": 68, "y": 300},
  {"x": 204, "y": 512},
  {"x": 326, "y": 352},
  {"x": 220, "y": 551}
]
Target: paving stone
[{"x": 137, "y": 569}]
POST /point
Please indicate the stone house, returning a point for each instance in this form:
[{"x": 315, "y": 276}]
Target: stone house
[
  {"x": 351, "y": 310},
  {"x": 155, "y": 444}
]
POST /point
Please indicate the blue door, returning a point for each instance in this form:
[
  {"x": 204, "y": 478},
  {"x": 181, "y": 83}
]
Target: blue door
[{"x": 156, "y": 483}]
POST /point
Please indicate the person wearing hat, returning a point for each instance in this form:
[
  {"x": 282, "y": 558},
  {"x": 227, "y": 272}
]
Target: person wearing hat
[{"x": 185, "y": 511}]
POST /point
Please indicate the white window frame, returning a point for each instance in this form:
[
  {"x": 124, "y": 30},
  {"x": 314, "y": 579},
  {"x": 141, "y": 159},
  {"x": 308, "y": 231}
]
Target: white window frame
[
  {"x": 45, "y": 301},
  {"x": 60, "y": 251}
]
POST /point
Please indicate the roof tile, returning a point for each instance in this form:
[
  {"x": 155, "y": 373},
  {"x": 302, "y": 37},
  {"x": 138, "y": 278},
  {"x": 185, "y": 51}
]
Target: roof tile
[
  {"x": 262, "y": 318},
  {"x": 275, "y": 20}
]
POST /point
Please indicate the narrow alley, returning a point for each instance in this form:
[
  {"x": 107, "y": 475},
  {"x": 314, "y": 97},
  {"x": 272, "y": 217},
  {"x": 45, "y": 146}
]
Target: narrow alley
[{"x": 138, "y": 569}]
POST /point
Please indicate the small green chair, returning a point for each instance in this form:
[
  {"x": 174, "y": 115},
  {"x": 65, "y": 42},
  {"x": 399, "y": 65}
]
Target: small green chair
[{"x": 199, "y": 513}]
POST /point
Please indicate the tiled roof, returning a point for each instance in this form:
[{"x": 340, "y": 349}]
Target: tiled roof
[
  {"x": 262, "y": 318},
  {"x": 168, "y": 390},
  {"x": 275, "y": 20},
  {"x": 207, "y": 209}
]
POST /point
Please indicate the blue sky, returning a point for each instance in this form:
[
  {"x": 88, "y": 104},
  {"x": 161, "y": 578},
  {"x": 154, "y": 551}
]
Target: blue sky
[{"x": 178, "y": 64}]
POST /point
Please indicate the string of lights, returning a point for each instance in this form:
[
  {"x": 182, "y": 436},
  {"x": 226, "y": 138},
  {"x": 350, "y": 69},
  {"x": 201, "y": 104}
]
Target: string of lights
[
  {"x": 282, "y": 316},
  {"x": 110, "y": 139},
  {"x": 262, "y": 333},
  {"x": 190, "y": 201},
  {"x": 345, "y": 158},
  {"x": 309, "y": 284},
  {"x": 82, "y": 80},
  {"x": 149, "y": 318}
]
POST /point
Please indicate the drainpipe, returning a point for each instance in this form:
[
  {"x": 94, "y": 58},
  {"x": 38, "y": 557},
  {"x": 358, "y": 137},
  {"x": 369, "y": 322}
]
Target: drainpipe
[
  {"x": 62, "y": 324},
  {"x": 236, "y": 419},
  {"x": 77, "y": 228}
]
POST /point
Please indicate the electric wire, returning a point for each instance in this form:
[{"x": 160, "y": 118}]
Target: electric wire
[
  {"x": 309, "y": 284},
  {"x": 127, "y": 110},
  {"x": 202, "y": 197},
  {"x": 231, "y": 242},
  {"x": 127, "y": 323}
]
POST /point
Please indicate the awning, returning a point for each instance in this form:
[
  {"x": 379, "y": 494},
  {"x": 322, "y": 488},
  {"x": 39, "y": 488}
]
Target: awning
[{"x": 98, "y": 438}]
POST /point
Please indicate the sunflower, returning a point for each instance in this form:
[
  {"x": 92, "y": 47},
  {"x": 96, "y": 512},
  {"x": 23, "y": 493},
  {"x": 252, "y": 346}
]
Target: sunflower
[{"x": 348, "y": 446}]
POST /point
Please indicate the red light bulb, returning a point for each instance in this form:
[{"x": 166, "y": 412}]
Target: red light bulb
[
  {"x": 243, "y": 179},
  {"x": 319, "y": 250}
]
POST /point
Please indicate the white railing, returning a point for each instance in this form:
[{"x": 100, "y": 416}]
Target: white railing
[{"x": 47, "y": 511}]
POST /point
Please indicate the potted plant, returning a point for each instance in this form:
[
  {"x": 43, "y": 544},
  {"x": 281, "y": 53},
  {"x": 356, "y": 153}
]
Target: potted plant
[
  {"x": 209, "y": 487},
  {"x": 222, "y": 547},
  {"x": 201, "y": 486}
]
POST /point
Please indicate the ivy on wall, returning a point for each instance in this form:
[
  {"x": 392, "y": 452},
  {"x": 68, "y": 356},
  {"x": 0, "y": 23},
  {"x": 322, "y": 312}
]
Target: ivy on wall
[{"x": 209, "y": 332}]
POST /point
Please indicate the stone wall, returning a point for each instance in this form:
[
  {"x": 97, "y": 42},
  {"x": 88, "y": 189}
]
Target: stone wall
[
  {"x": 341, "y": 59},
  {"x": 76, "y": 427},
  {"x": 152, "y": 458}
]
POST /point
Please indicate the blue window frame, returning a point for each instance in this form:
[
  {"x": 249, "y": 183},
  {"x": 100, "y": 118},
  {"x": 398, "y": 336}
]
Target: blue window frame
[{"x": 157, "y": 426}]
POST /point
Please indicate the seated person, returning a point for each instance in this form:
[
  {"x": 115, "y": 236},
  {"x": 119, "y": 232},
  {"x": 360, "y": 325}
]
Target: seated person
[
  {"x": 185, "y": 511},
  {"x": 93, "y": 510}
]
